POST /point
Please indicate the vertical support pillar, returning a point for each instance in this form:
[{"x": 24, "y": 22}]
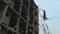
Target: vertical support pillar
[
  {"x": 33, "y": 17},
  {"x": 4, "y": 12},
  {"x": 28, "y": 17},
  {"x": 17, "y": 26},
  {"x": 3, "y": 15}
]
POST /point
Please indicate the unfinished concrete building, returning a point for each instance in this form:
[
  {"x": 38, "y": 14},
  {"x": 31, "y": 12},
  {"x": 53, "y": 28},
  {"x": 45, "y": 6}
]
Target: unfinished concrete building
[{"x": 18, "y": 17}]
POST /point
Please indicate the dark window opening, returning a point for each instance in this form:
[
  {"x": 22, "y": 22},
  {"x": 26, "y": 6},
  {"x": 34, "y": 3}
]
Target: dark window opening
[
  {"x": 13, "y": 21},
  {"x": 24, "y": 12},
  {"x": 2, "y": 4},
  {"x": 30, "y": 30},
  {"x": 35, "y": 13},
  {"x": 17, "y": 5},
  {"x": 25, "y": 3},
  {"x": 31, "y": 15},
  {"x": 35, "y": 23},
  {"x": 22, "y": 26},
  {"x": 8, "y": 14},
  {"x": 31, "y": 22}
]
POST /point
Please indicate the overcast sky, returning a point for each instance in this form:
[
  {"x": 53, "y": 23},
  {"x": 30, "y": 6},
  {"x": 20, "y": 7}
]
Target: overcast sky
[{"x": 52, "y": 8}]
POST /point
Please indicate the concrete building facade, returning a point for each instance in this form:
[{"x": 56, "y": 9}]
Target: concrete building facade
[{"x": 18, "y": 17}]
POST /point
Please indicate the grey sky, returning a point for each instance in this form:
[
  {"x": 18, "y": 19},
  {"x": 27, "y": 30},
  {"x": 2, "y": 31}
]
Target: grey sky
[{"x": 52, "y": 8}]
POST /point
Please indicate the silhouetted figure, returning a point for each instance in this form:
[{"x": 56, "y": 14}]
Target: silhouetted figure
[{"x": 44, "y": 15}]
